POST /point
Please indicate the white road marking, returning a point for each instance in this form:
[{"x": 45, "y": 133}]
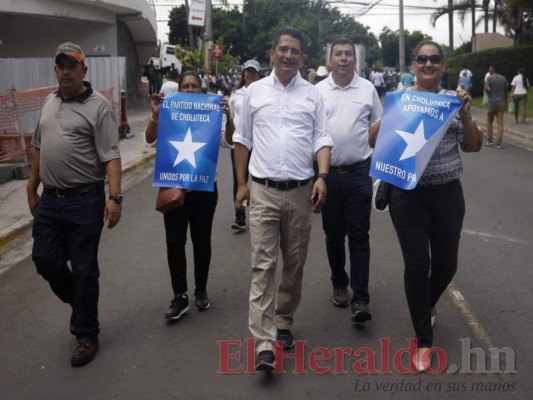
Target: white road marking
[
  {"x": 470, "y": 316},
  {"x": 489, "y": 236}
]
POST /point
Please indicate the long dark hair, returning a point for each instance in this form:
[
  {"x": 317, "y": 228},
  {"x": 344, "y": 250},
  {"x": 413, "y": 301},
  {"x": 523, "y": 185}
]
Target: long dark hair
[{"x": 522, "y": 71}]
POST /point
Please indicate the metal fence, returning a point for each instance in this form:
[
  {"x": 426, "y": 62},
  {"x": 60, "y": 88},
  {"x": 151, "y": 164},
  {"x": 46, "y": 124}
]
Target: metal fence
[{"x": 25, "y": 83}]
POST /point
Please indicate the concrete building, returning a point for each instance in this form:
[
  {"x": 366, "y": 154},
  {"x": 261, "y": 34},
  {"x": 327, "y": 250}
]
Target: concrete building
[
  {"x": 127, "y": 28},
  {"x": 484, "y": 41}
]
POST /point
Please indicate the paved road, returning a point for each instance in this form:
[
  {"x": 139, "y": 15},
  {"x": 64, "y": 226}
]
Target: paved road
[{"x": 144, "y": 357}]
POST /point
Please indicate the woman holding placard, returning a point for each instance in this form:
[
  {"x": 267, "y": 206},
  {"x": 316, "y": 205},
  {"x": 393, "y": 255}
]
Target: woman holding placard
[{"x": 428, "y": 219}]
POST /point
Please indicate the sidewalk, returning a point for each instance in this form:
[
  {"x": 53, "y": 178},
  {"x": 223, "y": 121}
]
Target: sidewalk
[
  {"x": 519, "y": 134},
  {"x": 15, "y": 218}
]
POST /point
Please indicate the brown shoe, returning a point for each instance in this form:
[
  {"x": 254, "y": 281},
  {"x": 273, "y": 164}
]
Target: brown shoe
[{"x": 84, "y": 353}]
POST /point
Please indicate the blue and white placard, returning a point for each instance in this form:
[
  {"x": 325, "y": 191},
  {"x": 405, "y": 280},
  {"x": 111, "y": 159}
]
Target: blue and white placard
[
  {"x": 412, "y": 126},
  {"x": 188, "y": 139}
]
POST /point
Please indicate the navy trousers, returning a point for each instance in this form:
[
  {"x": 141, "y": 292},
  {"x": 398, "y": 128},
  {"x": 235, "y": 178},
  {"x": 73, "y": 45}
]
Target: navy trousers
[{"x": 68, "y": 229}]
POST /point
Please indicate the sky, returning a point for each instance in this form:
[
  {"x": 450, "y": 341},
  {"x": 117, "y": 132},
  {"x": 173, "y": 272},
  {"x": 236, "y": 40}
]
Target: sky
[{"x": 385, "y": 13}]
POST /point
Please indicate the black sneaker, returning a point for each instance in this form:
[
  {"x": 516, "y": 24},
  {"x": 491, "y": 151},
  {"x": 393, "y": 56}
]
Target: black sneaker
[
  {"x": 239, "y": 223},
  {"x": 285, "y": 339},
  {"x": 341, "y": 297},
  {"x": 178, "y": 306},
  {"x": 265, "y": 361},
  {"x": 202, "y": 301},
  {"x": 360, "y": 312}
]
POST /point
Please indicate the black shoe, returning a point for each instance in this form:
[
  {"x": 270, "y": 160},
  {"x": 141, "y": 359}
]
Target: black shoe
[
  {"x": 265, "y": 361},
  {"x": 178, "y": 306},
  {"x": 360, "y": 312},
  {"x": 239, "y": 223},
  {"x": 285, "y": 339},
  {"x": 84, "y": 353},
  {"x": 202, "y": 301},
  {"x": 341, "y": 297}
]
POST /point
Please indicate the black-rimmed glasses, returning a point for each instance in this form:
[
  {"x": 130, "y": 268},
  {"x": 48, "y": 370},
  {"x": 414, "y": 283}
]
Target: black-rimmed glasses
[{"x": 433, "y": 59}]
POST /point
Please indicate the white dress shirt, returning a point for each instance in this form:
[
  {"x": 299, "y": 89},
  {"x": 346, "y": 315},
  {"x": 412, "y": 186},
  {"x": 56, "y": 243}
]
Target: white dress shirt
[
  {"x": 285, "y": 126},
  {"x": 235, "y": 107},
  {"x": 350, "y": 112}
]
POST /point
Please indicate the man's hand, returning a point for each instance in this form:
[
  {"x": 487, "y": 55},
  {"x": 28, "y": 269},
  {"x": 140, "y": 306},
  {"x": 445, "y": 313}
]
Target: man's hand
[
  {"x": 112, "y": 213},
  {"x": 242, "y": 199},
  {"x": 319, "y": 193},
  {"x": 33, "y": 202}
]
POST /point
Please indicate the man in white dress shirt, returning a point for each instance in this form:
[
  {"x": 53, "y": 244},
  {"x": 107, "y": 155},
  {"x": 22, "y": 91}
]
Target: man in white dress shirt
[
  {"x": 352, "y": 105},
  {"x": 283, "y": 119}
]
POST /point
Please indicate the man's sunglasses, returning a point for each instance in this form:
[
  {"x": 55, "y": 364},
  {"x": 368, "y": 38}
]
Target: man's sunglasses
[{"x": 434, "y": 59}]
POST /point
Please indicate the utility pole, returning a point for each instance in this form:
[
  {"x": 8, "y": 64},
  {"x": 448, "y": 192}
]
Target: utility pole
[
  {"x": 208, "y": 35},
  {"x": 401, "y": 40}
]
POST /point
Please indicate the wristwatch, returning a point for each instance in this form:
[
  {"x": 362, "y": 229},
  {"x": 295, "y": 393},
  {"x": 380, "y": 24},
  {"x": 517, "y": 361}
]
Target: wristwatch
[
  {"x": 322, "y": 175},
  {"x": 116, "y": 198}
]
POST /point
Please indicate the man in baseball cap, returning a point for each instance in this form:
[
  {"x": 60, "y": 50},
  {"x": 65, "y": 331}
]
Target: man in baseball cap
[{"x": 72, "y": 51}]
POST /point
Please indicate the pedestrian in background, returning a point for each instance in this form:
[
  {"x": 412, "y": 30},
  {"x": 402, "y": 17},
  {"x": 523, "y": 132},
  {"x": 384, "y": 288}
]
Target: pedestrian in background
[
  {"x": 406, "y": 80},
  {"x": 352, "y": 105},
  {"x": 251, "y": 72},
  {"x": 519, "y": 87},
  {"x": 378, "y": 80},
  {"x": 466, "y": 71},
  {"x": 196, "y": 211},
  {"x": 284, "y": 120},
  {"x": 428, "y": 219},
  {"x": 76, "y": 146},
  {"x": 172, "y": 85},
  {"x": 496, "y": 88},
  {"x": 151, "y": 74},
  {"x": 465, "y": 82}
]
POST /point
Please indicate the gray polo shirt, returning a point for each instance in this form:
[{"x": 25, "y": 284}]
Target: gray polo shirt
[
  {"x": 498, "y": 86},
  {"x": 76, "y": 138}
]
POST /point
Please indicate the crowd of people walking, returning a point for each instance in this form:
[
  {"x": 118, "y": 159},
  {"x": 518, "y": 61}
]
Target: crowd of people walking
[{"x": 296, "y": 148}]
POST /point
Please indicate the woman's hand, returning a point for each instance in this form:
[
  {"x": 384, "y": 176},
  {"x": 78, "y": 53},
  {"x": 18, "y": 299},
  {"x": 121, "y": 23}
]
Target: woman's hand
[
  {"x": 466, "y": 99},
  {"x": 155, "y": 100},
  {"x": 225, "y": 104}
]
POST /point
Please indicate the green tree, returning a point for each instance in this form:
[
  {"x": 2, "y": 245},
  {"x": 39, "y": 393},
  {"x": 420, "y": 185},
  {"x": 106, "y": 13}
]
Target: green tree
[
  {"x": 228, "y": 30},
  {"x": 179, "y": 30},
  {"x": 248, "y": 34},
  {"x": 390, "y": 45}
]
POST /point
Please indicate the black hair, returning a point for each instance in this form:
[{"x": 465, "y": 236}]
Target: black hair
[
  {"x": 191, "y": 73},
  {"x": 292, "y": 32},
  {"x": 342, "y": 41},
  {"x": 522, "y": 71}
]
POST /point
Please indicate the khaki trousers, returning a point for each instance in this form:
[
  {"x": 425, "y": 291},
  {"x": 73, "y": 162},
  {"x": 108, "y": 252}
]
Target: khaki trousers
[
  {"x": 278, "y": 219},
  {"x": 497, "y": 112}
]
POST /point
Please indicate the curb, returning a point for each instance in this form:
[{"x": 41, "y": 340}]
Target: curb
[
  {"x": 509, "y": 135},
  {"x": 21, "y": 227}
]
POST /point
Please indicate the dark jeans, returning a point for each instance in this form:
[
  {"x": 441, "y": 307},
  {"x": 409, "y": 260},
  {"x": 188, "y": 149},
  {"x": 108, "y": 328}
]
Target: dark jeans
[
  {"x": 428, "y": 221},
  {"x": 198, "y": 212},
  {"x": 69, "y": 228},
  {"x": 152, "y": 86},
  {"x": 347, "y": 212},
  {"x": 238, "y": 213}
]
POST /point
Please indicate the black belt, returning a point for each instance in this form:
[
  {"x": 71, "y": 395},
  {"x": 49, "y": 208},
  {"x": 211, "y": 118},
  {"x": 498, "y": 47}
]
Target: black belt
[
  {"x": 342, "y": 169},
  {"x": 72, "y": 191},
  {"x": 281, "y": 185}
]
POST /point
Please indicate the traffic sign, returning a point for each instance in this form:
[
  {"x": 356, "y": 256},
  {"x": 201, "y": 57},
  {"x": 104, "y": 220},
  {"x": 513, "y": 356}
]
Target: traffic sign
[{"x": 217, "y": 51}]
